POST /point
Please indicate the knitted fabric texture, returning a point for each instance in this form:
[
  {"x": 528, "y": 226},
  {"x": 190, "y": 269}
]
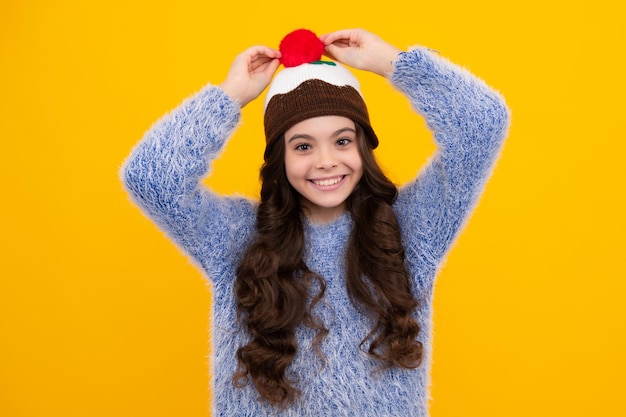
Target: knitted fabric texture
[
  {"x": 315, "y": 98},
  {"x": 308, "y": 88},
  {"x": 312, "y": 89},
  {"x": 164, "y": 175}
]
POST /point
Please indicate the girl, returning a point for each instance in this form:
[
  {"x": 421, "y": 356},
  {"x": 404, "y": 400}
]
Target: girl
[{"x": 323, "y": 289}]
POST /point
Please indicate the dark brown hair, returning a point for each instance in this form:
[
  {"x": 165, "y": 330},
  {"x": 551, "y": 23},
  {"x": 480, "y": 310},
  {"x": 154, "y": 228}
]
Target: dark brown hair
[{"x": 273, "y": 281}]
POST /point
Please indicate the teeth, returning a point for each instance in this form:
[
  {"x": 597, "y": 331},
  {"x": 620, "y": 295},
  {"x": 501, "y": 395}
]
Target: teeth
[{"x": 328, "y": 181}]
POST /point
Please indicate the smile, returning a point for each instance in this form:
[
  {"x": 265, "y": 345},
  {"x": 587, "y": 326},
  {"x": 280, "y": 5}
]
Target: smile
[{"x": 327, "y": 182}]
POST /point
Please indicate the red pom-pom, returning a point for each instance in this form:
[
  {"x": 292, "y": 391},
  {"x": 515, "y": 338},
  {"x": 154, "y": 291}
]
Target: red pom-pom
[{"x": 300, "y": 47}]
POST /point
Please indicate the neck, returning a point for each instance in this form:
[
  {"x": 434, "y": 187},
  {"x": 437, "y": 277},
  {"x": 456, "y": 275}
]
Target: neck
[{"x": 322, "y": 215}]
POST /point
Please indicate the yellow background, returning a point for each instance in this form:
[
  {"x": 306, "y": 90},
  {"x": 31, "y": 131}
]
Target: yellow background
[{"x": 100, "y": 315}]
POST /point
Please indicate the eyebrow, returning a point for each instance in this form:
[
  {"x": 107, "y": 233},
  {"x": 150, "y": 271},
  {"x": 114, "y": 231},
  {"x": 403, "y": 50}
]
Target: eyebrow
[{"x": 309, "y": 137}]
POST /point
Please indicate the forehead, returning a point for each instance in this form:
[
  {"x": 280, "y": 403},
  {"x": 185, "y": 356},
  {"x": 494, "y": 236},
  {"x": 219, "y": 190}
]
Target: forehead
[{"x": 320, "y": 126}]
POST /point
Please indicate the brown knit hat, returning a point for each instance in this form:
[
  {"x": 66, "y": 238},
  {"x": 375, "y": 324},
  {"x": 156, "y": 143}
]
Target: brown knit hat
[{"x": 308, "y": 88}]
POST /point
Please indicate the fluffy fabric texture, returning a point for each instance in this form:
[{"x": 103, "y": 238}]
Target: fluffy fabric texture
[
  {"x": 299, "y": 47},
  {"x": 163, "y": 175}
]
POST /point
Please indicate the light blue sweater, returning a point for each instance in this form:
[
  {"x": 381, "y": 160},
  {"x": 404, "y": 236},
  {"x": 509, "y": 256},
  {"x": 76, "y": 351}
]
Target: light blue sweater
[{"x": 163, "y": 175}]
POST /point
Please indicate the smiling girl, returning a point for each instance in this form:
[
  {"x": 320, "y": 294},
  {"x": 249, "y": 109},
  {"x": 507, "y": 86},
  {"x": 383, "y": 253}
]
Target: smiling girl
[
  {"x": 323, "y": 164},
  {"x": 323, "y": 288}
]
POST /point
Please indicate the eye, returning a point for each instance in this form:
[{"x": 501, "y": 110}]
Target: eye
[
  {"x": 344, "y": 141},
  {"x": 303, "y": 147}
]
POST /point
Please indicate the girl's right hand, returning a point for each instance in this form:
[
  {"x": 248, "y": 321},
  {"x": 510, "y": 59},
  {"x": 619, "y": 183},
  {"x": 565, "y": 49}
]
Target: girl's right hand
[{"x": 251, "y": 71}]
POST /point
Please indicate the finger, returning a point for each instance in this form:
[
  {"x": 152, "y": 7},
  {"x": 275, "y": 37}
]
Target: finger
[
  {"x": 340, "y": 35},
  {"x": 272, "y": 66},
  {"x": 337, "y": 51},
  {"x": 270, "y": 52},
  {"x": 262, "y": 57},
  {"x": 331, "y": 52},
  {"x": 260, "y": 51},
  {"x": 261, "y": 63}
]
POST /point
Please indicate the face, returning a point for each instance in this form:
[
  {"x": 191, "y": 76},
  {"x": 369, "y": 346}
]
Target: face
[{"x": 323, "y": 164}]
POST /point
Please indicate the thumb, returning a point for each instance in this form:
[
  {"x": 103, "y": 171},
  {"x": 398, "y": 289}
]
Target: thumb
[{"x": 333, "y": 52}]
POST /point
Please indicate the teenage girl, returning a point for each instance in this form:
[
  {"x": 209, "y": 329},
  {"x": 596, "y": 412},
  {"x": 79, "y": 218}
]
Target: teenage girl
[{"x": 322, "y": 289}]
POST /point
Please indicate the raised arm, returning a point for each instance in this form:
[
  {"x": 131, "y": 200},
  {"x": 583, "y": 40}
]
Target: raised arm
[
  {"x": 164, "y": 171},
  {"x": 469, "y": 121}
]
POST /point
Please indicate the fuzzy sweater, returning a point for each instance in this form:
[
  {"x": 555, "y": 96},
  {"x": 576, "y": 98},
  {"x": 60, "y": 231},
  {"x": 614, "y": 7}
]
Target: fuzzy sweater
[{"x": 163, "y": 175}]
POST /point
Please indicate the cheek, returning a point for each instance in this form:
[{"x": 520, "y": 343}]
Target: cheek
[
  {"x": 356, "y": 164},
  {"x": 293, "y": 169}
]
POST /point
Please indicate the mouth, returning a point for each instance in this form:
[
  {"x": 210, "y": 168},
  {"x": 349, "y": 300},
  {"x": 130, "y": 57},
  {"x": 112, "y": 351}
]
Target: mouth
[{"x": 328, "y": 182}]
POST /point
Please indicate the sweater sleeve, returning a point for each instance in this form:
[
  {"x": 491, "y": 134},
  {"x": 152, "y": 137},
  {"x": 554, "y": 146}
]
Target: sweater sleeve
[
  {"x": 469, "y": 121},
  {"x": 163, "y": 176}
]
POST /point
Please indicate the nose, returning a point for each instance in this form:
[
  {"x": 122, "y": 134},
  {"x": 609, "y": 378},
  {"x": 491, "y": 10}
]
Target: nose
[{"x": 326, "y": 157}]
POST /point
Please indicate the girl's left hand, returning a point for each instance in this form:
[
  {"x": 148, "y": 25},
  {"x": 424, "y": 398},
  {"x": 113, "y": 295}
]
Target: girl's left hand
[{"x": 360, "y": 49}]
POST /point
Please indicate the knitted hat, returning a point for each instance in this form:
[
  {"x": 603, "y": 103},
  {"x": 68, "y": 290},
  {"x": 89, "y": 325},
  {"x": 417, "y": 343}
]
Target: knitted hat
[{"x": 308, "y": 87}]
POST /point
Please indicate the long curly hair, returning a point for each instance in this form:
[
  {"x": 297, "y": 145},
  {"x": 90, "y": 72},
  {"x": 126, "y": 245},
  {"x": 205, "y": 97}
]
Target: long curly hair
[{"x": 273, "y": 282}]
